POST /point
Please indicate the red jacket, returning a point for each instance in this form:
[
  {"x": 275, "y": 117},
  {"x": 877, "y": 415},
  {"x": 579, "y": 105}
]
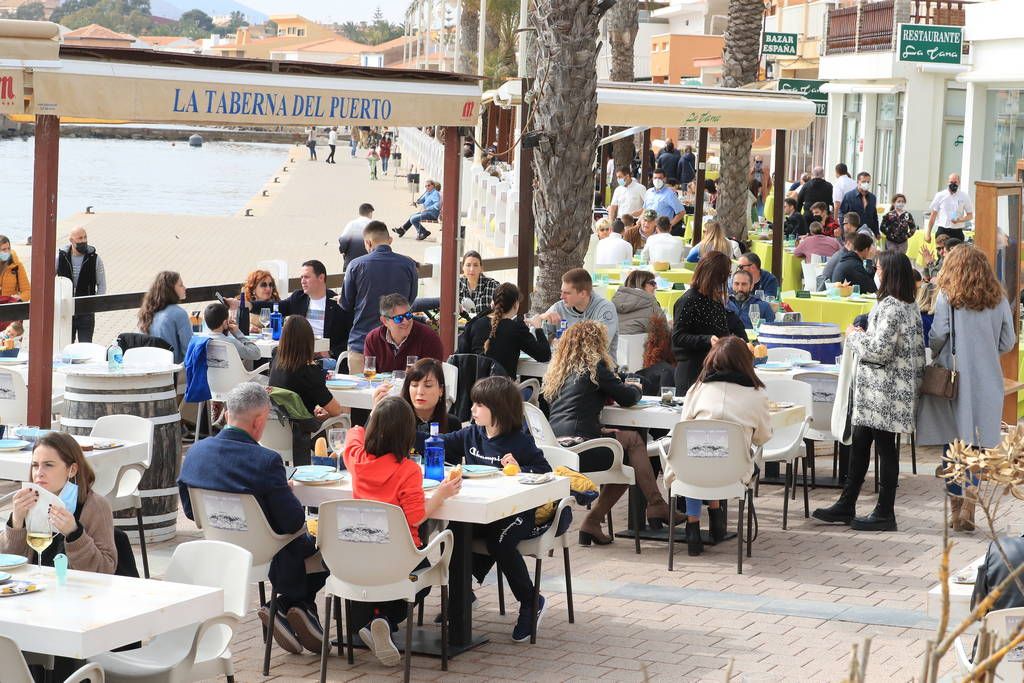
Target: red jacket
[
  {"x": 422, "y": 341},
  {"x": 383, "y": 479}
]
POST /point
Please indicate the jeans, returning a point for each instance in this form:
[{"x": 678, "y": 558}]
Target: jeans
[
  {"x": 82, "y": 326},
  {"x": 353, "y": 143},
  {"x": 384, "y": 164},
  {"x": 693, "y": 506},
  {"x": 501, "y": 538},
  {"x": 429, "y": 215}
]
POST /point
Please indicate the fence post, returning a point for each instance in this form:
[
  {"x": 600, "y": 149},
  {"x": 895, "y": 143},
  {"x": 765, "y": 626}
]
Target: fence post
[{"x": 856, "y": 33}]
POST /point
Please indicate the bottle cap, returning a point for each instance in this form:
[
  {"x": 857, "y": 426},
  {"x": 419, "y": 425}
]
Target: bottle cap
[{"x": 435, "y": 429}]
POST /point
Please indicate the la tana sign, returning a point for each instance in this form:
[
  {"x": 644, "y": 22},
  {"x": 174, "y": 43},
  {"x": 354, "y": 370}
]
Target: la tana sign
[
  {"x": 930, "y": 44},
  {"x": 810, "y": 89}
]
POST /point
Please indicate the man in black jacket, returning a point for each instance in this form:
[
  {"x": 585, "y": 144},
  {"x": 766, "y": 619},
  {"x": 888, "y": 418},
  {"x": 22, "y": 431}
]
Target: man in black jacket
[
  {"x": 79, "y": 262},
  {"x": 851, "y": 265},
  {"x": 817, "y": 189},
  {"x": 320, "y": 306}
]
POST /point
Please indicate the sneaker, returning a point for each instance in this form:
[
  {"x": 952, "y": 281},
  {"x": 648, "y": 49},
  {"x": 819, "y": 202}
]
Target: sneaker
[
  {"x": 398, "y": 231},
  {"x": 306, "y": 626},
  {"x": 377, "y": 637},
  {"x": 521, "y": 632},
  {"x": 473, "y": 602},
  {"x": 282, "y": 631},
  {"x": 422, "y": 236}
]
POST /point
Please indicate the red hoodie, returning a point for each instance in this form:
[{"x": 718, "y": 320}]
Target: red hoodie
[{"x": 383, "y": 479}]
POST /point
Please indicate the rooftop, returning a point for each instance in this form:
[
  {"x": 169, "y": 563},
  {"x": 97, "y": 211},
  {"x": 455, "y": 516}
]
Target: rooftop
[{"x": 97, "y": 32}]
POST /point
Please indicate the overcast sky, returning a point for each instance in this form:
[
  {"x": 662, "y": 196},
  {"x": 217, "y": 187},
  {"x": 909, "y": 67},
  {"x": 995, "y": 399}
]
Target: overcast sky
[{"x": 332, "y": 10}]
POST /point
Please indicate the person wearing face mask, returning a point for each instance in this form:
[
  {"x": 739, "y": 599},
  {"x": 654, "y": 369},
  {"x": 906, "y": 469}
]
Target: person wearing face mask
[
  {"x": 898, "y": 225},
  {"x": 628, "y": 196},
  {"x": 14, "y": 283},
  {"x": 950, "y": 208},
  {"x": 862, "y": 202},
  {"x": 83, "y": 528},
  {"x": 663, "y": 199},
  {"x": 78, "y": 261},
  {"x": 821, "y": 213}
]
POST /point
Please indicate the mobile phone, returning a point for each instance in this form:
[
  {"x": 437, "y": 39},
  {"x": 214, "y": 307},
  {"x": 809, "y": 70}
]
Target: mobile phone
[
  {"x": 220, "y": 298},
  {"x": 289, "y": 471}
]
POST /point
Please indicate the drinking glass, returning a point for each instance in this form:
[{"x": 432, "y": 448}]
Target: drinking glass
[
  {"x": 754, "y": 312},
  {"x": 369, "y": 367},
  {"x": 264, "y": 322},
  {"x": 410, "y": 361},
  {"x": 855, "y": 293},
  {"x": 336, "y": 442},
  {"x": 634, "y": 379},
  {"x": 759, "y": 293},
  {"x": 39, "y": 536},
  {"x": 668, "y": 394},
  {"x": 397, "y": 382}
]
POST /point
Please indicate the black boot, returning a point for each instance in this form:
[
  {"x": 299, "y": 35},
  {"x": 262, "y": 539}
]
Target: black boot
[
  {"x": 694, "y": 543},
  {"x": 717, "y": 524},
  {"x": 843, "y": 510},
  {"x": 883, "y": 517}
]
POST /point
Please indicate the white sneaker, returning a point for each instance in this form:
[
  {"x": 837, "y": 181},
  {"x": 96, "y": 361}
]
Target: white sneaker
[{"x": 377, "y": 637}]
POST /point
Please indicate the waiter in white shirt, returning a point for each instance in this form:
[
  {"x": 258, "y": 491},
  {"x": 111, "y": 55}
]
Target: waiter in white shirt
[
  {"x": 950, "y": 208},
  {"x": 628, "y": 196},
  {"x": 843, "y": 185}
]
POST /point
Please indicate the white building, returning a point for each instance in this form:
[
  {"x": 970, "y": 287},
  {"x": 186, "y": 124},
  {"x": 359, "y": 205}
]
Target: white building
[{"x": 647, "y": 27}]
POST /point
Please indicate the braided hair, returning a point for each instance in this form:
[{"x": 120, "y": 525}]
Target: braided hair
[{"x": 506, "y": 297}]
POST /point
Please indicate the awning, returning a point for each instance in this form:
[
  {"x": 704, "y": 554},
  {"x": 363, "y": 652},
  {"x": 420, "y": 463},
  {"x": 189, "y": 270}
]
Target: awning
[
  {"x": 854, "y": 88},
  {"x": 992, "y": 76}
]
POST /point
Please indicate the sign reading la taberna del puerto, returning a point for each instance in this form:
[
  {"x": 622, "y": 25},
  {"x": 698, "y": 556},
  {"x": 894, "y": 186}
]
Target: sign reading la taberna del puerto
[
  {"x": 810, "y": 89},
  {"x": 12, "y": 92},
  {"x": 779, "y": 44},
  {"x": 930, "y": 44}
]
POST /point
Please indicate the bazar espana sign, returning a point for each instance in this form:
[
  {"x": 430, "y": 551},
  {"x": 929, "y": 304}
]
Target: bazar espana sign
[
  {"x": 248, "y": 103},
  {"x": 779, "y": 44},
  {"x": 810, "y": 90},
  {"x": 930, "y": 44}
]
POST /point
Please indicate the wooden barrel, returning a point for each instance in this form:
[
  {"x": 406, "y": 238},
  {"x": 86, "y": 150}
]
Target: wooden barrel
[
  {"x": 824, "y": 341},
  {"x": 91, "y": 392}
]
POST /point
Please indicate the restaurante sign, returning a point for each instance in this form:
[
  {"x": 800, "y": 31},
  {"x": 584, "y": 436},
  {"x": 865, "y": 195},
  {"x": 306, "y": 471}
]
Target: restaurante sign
[{"x": 930, "y": 44}]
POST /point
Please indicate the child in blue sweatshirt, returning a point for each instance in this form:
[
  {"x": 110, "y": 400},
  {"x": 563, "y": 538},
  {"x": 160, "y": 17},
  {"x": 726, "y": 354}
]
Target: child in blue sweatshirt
[{"x": 497, "y": 438}]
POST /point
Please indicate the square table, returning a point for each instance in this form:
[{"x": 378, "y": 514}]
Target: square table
[
  {"x": 657, "y": 416},
  {"x": 14, "y": 465},
  {"x": 821, "y": 309},
  {"x": 481, "y": 501},
  {"x": 95, "y": 613},
  {"x": 267, "y": 346}
]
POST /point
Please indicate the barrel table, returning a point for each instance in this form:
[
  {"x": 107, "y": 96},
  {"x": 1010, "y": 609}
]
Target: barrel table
[
  {"x": 824, "y": 341},
  {"x": 92, "y": 391}
]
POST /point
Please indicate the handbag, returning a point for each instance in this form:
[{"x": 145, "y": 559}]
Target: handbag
[{"x": 939, "y": 381}]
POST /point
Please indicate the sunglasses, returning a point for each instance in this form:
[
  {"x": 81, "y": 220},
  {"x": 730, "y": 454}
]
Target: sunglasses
[
  {"x": 651, "y": 283},
  {"x": 398, "y": 319},
  {"x": 265, "y": 284}
]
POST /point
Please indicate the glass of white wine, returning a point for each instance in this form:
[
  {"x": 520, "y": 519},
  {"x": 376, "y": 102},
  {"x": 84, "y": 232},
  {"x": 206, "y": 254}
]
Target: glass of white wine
[
  {"x": 264, "y": 321},
  {"x": 39, "y": 535}
]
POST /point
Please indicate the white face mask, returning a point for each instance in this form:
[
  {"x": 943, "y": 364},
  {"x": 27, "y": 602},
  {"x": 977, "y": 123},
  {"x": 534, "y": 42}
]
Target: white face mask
[
  {"x": 621, "y": 181},
  {"x": 878, "y": 281},
  {"x": 900, "y": 206},
  {"x": 865, "y": 186},
  {"x": 658, "y": 183}
]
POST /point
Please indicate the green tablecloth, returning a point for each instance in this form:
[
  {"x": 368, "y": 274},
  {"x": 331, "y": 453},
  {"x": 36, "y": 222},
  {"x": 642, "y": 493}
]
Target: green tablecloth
[
  {"x": 821, "y": 309},
  {"x": 792, "y": 275}
]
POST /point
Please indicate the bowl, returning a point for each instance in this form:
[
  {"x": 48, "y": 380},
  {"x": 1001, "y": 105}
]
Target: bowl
[
  {"x": 659, "y": 266},
  {"x": 31, "y": 434},
  {"x": 844, "y": 290}
]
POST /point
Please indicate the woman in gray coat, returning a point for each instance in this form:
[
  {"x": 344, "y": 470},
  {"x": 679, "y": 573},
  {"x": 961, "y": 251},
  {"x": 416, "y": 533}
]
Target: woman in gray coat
[
  {"x": 890, "y": 364},
  {"x": 635, "y": 302},
  {"x": 972, "y": 311}
]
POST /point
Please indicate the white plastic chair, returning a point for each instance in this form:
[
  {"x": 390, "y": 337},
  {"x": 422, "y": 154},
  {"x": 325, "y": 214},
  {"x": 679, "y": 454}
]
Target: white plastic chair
[
  {"x": 121, "y": 488},
  {"x": 278, "y": 437},
  {"x": 823, "y": 396},
  {"x": 225, "y": 371},
  {"x": 782, "y": 354},
  {"x": 13, "y": 397},
  {"x": 15, "y": 669},
  {"x": 240, "y": 521},
  {"x": 787, "y": 443},
  {"x": 200, "y": 651},
  {"x": 530, "y": 389},
  {"x": 451, "y": 382},
  {"x": 279, "y": 269},
  {"x": 1001, "y": 623},
  {"x": 148, "y": 355},
  {"x": 96, "y": 353},
  {"x": 617, "y": 473},
  {"x": 630, "y": 351},
  {"x": 378, "y": 569},
  {"x": 706, "y": 470}
]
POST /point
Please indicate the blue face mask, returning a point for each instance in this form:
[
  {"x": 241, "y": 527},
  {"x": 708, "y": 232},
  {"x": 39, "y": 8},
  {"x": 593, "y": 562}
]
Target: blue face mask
[
  {"x": 621, "y": 181},
  {"x": 69, "y": 496},
  {"x": 5, "y": 256}
]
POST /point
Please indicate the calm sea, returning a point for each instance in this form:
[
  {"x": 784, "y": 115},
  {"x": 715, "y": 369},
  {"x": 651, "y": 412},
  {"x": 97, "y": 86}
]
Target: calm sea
[{"x": 148, "y": 176}]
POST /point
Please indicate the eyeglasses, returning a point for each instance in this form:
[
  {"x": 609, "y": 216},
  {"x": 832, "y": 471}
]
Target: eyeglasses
[
  {"x": 265, "y": 284},
  {"x": 743, "y": 266},
  {"x": 398, "y": 319}
]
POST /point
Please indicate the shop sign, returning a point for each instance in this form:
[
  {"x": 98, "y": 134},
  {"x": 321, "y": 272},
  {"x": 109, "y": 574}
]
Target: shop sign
[
  {"x": 810, "y": 89},
  {"x": 12, "y": 92},
  {"x": 779, "y": 44},
  {"x": 930, "y": 44}
]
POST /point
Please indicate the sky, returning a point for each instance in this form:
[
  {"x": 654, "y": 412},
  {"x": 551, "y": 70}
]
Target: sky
[{"x": 332, "y": 10}]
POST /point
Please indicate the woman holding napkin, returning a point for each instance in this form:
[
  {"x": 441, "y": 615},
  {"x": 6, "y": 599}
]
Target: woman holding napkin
[{"x": 84, "y": 528}]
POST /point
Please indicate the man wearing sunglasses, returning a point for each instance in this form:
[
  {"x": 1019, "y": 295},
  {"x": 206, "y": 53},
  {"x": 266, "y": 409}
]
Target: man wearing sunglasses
[{"x": 399, "y": 336}]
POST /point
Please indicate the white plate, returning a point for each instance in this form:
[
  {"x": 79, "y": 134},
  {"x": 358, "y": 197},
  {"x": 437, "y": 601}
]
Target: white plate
[
  {"x": 11, "y": 445},
  {"x": 13, "y": 588},
  {"x": 11, "y": 561},
  {"x": 8, "y": 360},
  {"x": 765, "y": 368}
]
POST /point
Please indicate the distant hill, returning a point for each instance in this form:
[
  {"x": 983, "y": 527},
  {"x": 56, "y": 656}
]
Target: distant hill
[{"x": 174, "y": 9}]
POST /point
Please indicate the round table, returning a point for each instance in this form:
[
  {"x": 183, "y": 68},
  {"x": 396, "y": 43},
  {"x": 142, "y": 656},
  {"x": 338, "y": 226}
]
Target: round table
[
  {"x": 821, "y": 309},
  {"x": 92, "y": 391}
]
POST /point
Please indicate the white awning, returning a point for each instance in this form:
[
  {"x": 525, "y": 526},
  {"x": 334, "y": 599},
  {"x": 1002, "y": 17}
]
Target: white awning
[
  {"x": 857, "y": 88},
  {"x": 992, "y": 76}
]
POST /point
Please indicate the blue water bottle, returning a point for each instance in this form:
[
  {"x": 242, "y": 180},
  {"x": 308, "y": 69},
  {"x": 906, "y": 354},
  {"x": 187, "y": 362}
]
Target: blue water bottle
[
  {"x": 433, "y": 455},
  {"x": 276, "y": 323},
  {"x": 562, "y": 327},
  {"x": 115, "y": 357}
]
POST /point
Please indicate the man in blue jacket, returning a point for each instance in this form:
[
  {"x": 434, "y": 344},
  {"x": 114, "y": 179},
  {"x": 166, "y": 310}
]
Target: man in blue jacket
[
  {"x": 863, "y": 202},
  {"x": 430, "y": 200},
  {"x": 367, "y": 279},
  {"x": 234, "y": 462},
  {"x": 742, "y": 298}
]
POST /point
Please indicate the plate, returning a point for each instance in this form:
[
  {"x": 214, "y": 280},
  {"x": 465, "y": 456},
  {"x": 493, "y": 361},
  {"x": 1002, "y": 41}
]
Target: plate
[
  {"x": 321, "y": 480},
  {"x": 13, "y": 360},
  {"x": 342, "y": 384},
  {"x": 311, "y": 469},
  {"x": 10, "y": 561},
  {"x": 775, "y": 367},
  {"x": 825, "y": 368},
  {"x": 430, "y": 484},
  {"x": 780, "y": 405},
  {"x": 534, "y": 479},
  {"x": 471, "y": 471},
  {"x": 966, "y": 577},
  {"x": 799, "y": 362},
  {"x": 4, "y": 577},
  {"x": 13, "y": 588},
  {"x": 12, "y": 444}
]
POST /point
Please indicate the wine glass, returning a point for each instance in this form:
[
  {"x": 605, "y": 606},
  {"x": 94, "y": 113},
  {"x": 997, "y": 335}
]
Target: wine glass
[
  {"x": 410, "y": 361},
  {"x": 754, "y": 312},
  {"x": 264, "y": 321},
  {"x": 336, "y": 441},
  {"x": 39, "y": 535},
  {"x": 369, "y": 367}
]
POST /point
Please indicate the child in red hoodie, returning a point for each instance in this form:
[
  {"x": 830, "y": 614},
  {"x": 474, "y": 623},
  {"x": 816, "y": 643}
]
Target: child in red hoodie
[{"x": 377, "y": 460}]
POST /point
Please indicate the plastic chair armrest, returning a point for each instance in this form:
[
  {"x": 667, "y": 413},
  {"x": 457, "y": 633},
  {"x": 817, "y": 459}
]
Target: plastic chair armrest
[
  {"x": 226, "y": 619},
  {"x": 90, "y": 672},
  {"x": 618, "y": 455},
  {"x": 963, "y": 659},
  {"x": 448, "y": 539}
]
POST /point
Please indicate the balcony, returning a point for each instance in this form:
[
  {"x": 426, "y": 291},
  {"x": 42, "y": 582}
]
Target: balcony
[{"x": 872, "y": 26}]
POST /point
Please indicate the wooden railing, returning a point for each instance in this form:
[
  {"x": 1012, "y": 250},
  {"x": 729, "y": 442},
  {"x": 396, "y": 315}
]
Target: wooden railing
[{"x": 877, "y": 23}]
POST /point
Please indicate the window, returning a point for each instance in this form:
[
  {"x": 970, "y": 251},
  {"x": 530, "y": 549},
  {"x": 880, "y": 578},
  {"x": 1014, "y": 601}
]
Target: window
[
  {"x": 1004, "y": 134},
  {"x": 807, "y": 148},
  {"x": 851, "y": 129},
  {"x": 301, "y": 32},
  {"x": 888, "y": 128},
  {"x": 952, "y": 154}
]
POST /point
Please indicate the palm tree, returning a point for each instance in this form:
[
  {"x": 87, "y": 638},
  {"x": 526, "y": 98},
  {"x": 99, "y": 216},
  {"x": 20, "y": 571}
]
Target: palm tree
[
  {"x": 740, "y": 63},
  {"x": 565, "y": 111},
  {"x": 622, "y": 23},
  {"x": 469, "y": 36}
]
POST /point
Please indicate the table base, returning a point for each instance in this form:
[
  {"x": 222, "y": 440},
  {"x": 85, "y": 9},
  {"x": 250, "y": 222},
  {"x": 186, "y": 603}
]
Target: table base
[
  {"x": 425, "y": 641},
  {"x": 649, "y": 534}
]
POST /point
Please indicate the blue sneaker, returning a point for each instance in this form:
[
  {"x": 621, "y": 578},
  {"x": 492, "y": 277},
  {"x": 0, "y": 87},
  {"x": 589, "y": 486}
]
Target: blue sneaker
[{"x": 523, "y": 627}]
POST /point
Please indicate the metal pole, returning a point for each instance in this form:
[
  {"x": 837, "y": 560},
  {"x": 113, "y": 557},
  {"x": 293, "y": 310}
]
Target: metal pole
[
  {"x": 698, "y": 194},
  {"x": 450, "y": 230},
  {"x": 777, "y": 221},
  {"x": 44, "y": 251}
]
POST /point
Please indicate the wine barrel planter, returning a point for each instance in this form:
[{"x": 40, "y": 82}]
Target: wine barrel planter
[{"x": 93, "y": 391}]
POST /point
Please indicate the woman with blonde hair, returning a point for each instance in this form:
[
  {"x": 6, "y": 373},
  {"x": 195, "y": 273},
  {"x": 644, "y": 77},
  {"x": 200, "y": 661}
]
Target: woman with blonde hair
[
  {"x": 714, "y": 239},
  {"x": 973, "y": 321},
  {"x": 580, "y": 380}
]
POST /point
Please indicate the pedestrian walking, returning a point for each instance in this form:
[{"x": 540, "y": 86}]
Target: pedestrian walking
[
  {"x": 311, "y": 142},
  {"x": 332, "y": 142}
]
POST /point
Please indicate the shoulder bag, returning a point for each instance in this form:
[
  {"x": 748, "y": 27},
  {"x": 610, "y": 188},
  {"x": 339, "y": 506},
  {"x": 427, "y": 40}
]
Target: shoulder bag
[{"x": 939, "y": 381}]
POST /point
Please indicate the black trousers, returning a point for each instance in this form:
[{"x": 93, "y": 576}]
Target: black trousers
[
  {"x": 888, "y": 457},
  {"x": 501, "y": 538},
  {"x": 330, "y": 157},
  {"x": 393, "y": 610},
  {"x": 82, "y": 326}
]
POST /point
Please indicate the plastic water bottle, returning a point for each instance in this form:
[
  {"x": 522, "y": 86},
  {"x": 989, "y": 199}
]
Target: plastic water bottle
[
  {"x": 562, "y": 327},
  {"x": 276, "y": 323},
  {"x": 433, "y": 455},
  {"x": 115, "y": 358}
]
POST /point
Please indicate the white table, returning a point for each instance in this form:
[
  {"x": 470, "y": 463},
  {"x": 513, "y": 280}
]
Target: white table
[
  {"x": 529, "y": 367},
  {"x": 959, "y": 594},
  {"x": 360, "y": 397},
  {"x": 95, "y": 613},
  {"x": 663, "y": 417},
  {"x": 267, "y": 346},
  {"x": 15, "y": 465},
  {"x": 481, "y": 501}
]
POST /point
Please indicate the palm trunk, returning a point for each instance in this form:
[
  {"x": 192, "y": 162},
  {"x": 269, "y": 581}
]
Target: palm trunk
[
  {"x": 469, "y": 37},
  {"x": 623, "y": 23},
  {"x": 740, "y": 64},
  {"x": 565, "y": 110}
]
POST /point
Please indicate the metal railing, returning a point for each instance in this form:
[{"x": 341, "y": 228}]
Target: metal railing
[{"x": 872, "y": 26}]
